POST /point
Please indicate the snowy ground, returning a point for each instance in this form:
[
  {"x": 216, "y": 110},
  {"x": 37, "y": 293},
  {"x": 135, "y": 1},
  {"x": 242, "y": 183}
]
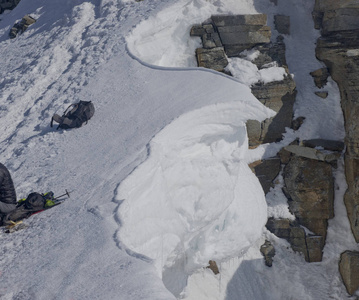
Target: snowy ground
[{"x": 159, "y": 178}]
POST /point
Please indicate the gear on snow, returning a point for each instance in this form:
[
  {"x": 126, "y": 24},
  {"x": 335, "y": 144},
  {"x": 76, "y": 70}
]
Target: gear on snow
[{"x": 75, "y": 115}]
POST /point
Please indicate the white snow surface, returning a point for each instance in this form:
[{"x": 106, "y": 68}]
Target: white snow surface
[{"x": 159, "y": 177}]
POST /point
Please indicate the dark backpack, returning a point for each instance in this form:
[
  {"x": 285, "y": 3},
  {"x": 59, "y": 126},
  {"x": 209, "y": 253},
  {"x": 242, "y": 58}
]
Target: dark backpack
[
  {"x": 75, "y": 115},
  {"x": 26, "y": 207}
]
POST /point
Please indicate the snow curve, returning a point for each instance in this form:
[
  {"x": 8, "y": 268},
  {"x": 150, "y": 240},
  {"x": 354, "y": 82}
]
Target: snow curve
[{"x": 195, "y": 198}]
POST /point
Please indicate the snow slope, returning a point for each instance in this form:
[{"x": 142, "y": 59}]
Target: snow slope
[{"x": 158, "y": 178}]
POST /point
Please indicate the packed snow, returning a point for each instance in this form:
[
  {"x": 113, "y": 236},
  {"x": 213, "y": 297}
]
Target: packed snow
[{"x": 159, "y": 177}]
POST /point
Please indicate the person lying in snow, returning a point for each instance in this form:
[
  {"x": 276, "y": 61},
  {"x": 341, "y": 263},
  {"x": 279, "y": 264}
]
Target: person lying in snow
[
  {"x": 21, "y": 26},
  {"x": 7, "y": 191}
]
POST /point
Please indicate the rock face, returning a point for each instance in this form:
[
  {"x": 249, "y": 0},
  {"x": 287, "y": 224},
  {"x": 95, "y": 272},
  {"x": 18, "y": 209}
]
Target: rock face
[
  {"x": 266, "y": 171},
  {"x": 338, "y": 48},
  {"x": 310, "y": 245},
  {"x": 309, "y": 187},
  {"x": 349, "y": 270},
  {"x": 240, "y": 32}
]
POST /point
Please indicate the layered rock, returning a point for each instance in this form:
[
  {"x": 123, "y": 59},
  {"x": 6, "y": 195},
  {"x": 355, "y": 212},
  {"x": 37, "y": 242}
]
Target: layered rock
[
  {"x": 309, "y": 187},
  {"x": 310, "y": 245},
  {"x": 338, "y": 48},
  {"x": 240, "y": 32}
]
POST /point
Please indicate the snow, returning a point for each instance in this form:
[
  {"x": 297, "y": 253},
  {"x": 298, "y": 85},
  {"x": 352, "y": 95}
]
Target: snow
[{"x": 159, "y": 177}]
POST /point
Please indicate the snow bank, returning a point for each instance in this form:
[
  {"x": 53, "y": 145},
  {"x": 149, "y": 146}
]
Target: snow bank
[{"x": 195, "y": 198}]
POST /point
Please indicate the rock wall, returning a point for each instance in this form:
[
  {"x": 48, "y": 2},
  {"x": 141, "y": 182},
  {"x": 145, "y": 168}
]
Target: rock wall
[
  {"x": 227, "y": 36},
  {"x": 338, "y": 48}
]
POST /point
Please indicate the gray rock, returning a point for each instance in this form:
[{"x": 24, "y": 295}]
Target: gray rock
[
  {"x": 309, "y": 186},
  {"x": 214, "y": 58},
  {"x": 337, "y": 48},
  {"x": 349, "y": 270},
  {"x": 310, "y": 246},
  {"x": 312, "y": 153},
  {"x": 280, "y": 97},
  {"x": 234, "y": 20},
  {"x": 315, "y": 245},
  {"x": 268, "y": 251}
]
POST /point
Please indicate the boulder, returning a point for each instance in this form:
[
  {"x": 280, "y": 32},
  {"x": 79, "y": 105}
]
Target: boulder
[
  {"x": 322, "y": 95},
  {"x": 213, "y": 266},
  {"x": 349, "y": 270},
  {"x": 214, "y": 58},
  {"x": 268, "y": 251},
  {"x": 320, "y": 77}
]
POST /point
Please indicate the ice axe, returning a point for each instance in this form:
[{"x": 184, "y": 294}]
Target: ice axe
[{"x": 66, "y": 194}]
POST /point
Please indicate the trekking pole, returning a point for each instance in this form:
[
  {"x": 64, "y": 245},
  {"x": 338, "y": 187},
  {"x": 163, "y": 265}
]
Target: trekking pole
[{"x": 66, "y": 194}]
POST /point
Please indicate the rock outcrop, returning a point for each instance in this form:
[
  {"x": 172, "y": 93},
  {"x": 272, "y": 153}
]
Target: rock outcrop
[
  {"x": 349, "y": 270},
  {"x": 227, "y": 36},
  {"x": 309, "y": 187},
  {"x": 338, "y": 48}
]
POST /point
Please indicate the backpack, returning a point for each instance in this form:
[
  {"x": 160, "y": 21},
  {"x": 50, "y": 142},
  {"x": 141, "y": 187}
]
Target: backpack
[
  {"x": 34, "y": 202},
  {"x": 75, "y": 115}
]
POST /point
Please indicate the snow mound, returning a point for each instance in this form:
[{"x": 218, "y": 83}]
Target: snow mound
[{"x": 195, "y": 198}]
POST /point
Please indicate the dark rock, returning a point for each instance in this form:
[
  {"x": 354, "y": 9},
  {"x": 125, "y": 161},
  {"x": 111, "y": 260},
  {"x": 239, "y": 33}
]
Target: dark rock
[
  {"x": 282, "y": 24},
  {"x": 280, "y": 97},
  {"x": 240, "y": 32},
  {"x": 320, "y": 77},
  {"x": 349, "y": 270},
  {"x": 266, "y": 171},
  {"x": 309, "y": 184},
  {"x": 326, "y": 144},
  {"x": 315, "y": 245},
  {"x": 268, "y": 251},
  {"x": 297, "y": 123},
  {"x": 197, "y": 30},
  {"x": 271, "y": 52},
  {"x": 310, "y": 246},
  {"x": 322, "y": 95},
  {"x": 213, "y": 266},
  {"x": 312, "y": 153}
]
